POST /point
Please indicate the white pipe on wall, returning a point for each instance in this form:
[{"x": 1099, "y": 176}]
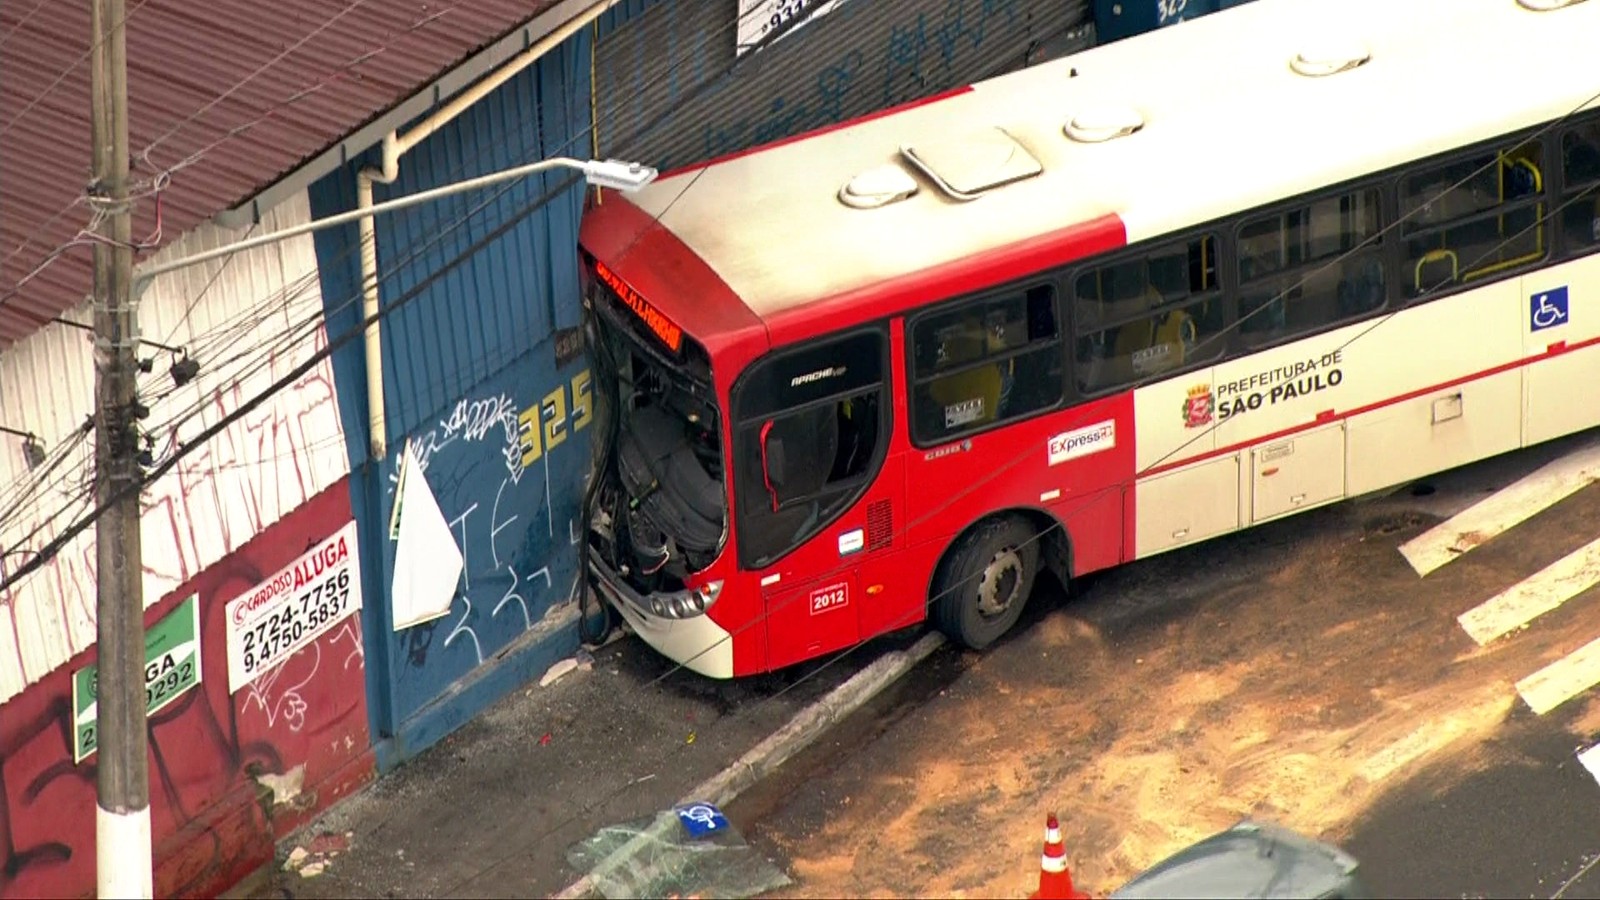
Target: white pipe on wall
[{"x": 395, "y": 145}]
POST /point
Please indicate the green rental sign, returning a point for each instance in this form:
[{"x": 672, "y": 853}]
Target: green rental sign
[{"x": 171, "y": 667}]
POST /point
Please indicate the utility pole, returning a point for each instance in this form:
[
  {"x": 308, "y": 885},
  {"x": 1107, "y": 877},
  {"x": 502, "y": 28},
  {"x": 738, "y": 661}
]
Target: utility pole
[{"x": 122, "y": 821}]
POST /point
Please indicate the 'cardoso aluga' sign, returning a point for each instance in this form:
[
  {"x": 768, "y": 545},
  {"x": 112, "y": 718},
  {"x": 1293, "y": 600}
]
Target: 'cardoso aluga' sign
[{"x": 272, "y": 620}]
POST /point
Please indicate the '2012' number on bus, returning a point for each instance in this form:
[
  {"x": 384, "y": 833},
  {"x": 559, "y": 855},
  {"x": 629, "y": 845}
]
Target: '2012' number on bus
[
  {"x": 323, "y": 602},
  {"x": 834, "y": 596}
]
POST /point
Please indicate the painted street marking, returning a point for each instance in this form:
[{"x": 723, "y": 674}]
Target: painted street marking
[
  {"x": 1534, "y": 596},
  {"x": 1590, "y": 759},
  {"x": 1563, "y": 679},
  {"x": 1500, "y": 511}
]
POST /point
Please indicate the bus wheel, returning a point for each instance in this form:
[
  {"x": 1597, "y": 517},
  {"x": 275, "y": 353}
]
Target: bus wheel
[{"x": 984, "y": 582}]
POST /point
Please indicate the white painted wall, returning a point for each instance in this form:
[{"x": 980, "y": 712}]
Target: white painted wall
[{"x": 231, "y": 314}]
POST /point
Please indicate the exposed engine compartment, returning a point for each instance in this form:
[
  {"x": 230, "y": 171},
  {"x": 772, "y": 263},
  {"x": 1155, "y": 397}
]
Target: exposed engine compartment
[{"x": 659, "y": 513}]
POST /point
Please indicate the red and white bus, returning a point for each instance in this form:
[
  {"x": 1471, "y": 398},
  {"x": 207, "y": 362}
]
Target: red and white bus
[{"x": 1088, "y": 312}]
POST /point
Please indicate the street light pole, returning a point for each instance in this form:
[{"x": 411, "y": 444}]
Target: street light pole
[
  {"x": 609, "y": 173},
  {"x": 122, "y": 818}
]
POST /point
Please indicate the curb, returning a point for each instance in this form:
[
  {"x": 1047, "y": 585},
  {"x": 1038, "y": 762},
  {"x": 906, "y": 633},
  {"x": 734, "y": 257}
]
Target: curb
[{"x": 778, "y": 747}]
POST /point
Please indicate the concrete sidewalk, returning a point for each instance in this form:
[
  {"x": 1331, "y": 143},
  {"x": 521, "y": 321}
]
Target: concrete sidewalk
[{"x": 491, "y": 810}]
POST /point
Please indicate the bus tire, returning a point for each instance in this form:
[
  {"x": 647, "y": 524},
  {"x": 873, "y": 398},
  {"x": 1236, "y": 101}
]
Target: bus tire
[{"x": 984, "y": 582}]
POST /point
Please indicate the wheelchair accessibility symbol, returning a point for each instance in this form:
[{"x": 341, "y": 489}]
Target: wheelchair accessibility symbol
[
  {"x": 701, "y": 819},
  {"x": 1547, "y": 309}
]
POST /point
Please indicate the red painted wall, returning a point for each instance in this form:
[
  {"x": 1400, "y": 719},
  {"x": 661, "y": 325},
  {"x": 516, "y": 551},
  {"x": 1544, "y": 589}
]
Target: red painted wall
[{"x": 213, "y": 820}]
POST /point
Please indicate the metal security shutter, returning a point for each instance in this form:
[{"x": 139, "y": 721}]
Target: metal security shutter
[{"x": 669, "y": 90}]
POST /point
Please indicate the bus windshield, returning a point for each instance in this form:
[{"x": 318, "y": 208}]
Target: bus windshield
[{"x": 658, "y": 513}]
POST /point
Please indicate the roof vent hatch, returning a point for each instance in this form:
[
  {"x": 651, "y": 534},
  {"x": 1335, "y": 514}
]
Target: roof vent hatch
[
  {"x": 878, "y": 186},
  {"x": 1100, "y": 124},
  {"x": 1330, "y": 57},
  {"x": 967, "y": 166},
  {"x": 1547, "y": 5}
]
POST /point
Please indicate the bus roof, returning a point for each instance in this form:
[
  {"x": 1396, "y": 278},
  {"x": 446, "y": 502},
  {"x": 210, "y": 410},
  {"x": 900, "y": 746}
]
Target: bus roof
[{"x": 1228, "y": 125}]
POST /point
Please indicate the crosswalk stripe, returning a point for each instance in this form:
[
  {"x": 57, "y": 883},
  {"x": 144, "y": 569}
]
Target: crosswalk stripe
[
  {"x": 1563, "y": 679},
  {"x": 1535, "y": 595},
  {"x": 1590, "y": 759},
  {"x": 1503, "y": 509}
]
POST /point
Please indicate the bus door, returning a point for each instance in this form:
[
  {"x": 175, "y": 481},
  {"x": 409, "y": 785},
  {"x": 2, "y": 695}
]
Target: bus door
[{"x": 813, "y": 433}]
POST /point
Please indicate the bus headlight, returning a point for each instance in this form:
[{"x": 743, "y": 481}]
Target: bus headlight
[
  {"x": 701, "y": 598},
  {"x": 685, "y": 604}
]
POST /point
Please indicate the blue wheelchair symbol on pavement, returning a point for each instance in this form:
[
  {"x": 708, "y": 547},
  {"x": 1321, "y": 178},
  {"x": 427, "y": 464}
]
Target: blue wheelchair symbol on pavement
[
  {"x": 1547, "y": 309},
  {"x": 701, "y": 819}
]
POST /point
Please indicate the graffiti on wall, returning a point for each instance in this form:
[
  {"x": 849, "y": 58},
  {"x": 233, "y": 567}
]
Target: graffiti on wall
[
  {"x": 215, "y": 498},
  {"x": 228, "y": 774},
  {"x": 213, "y": 501},
  {"x": 506, "y": 465}
]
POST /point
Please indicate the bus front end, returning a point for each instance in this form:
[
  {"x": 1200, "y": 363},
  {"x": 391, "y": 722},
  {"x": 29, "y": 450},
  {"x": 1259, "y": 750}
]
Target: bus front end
[{"x": 656, "y": 506}]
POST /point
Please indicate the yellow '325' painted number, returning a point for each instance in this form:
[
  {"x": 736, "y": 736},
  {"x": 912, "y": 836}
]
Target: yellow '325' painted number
[{"x": 543, "y": 426}]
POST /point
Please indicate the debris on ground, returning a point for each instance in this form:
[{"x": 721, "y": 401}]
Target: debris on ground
[
  {"x": 690, "y": 851},
  {"x": 555, "y": 672},
  {"x": 330, "y": 843},
  {"x": 312, "y": 858}
]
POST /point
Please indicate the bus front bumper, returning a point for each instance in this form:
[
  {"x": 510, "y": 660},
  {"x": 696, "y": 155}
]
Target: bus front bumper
[{"x": 697, "y": 643}]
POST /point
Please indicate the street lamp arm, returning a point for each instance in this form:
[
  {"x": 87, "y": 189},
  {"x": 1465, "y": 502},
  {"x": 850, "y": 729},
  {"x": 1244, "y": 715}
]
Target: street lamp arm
[{"x": 610, "y": 173}]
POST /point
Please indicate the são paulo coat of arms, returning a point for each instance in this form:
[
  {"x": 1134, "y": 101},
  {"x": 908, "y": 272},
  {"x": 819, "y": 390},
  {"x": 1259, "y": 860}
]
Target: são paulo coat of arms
[{"x": 1197, "y": 406}]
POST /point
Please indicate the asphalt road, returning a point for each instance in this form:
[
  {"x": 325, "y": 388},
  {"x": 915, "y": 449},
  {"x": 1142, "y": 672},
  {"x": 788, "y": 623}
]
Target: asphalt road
[
  {"x": 1526, "y": 825},
  {"x": 1301, "y": 672}
]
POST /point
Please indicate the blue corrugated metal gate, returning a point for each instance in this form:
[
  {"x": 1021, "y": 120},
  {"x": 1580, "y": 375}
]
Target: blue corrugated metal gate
[{"x": 482, "y": 293}]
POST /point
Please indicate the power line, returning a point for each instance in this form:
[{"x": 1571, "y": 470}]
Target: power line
[
  {"x": 71, "y": 67},
  {"x": 281, "y": 55},
  {"x": 86, "y": 239},
  {"x": 336, "y": 75},
  {"x": 302, "y": 368},
  {"x": 297, "y": 372},
  {"x": 22, "y": 21},
  {"x": 251, "y": 319},
  {"x": 161, "y": 180}
]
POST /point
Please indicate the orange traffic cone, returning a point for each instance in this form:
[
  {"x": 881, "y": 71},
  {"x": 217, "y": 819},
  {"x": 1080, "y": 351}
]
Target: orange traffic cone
[{"x": 1055, "y": 882}]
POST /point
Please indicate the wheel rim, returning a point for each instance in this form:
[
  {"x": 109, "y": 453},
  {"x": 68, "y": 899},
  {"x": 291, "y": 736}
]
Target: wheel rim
[{"x": 1002, "y": 579}]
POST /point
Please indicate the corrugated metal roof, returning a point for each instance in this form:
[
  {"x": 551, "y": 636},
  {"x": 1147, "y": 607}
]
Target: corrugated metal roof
[{"x": 227, "y": 95}]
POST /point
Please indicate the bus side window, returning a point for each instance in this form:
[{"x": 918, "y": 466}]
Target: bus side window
[
  {"x": 1580, "y": 171},
  {"x": 1472, "y": 218},
  {"x": 1168, "y": 320},
  {"x": 984, "y": 362},
  {"x": 1310, "y": 266}
]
